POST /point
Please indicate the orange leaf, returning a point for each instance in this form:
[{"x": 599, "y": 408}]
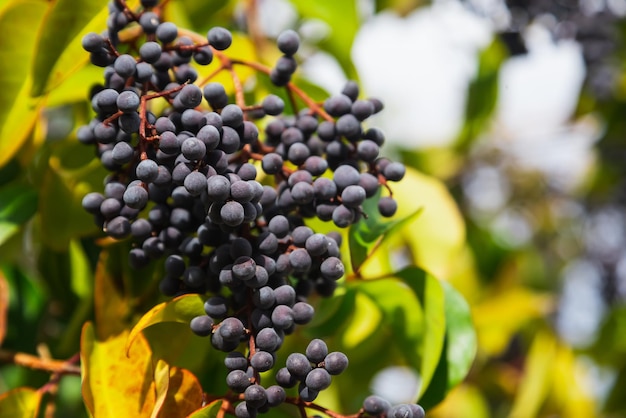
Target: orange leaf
[
  {"x": 184, "y": 395},
  {"x": 20, "y": 403},
  {"x": 114, "y": 382}
]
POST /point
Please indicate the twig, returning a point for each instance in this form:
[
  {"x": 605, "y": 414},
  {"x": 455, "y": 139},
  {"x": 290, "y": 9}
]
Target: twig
[{"x": 37, "y": 363}]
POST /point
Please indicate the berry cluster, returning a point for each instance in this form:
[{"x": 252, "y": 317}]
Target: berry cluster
[
  {"x": 195, "y": 182},
  {"x": 376, "y": 406}
]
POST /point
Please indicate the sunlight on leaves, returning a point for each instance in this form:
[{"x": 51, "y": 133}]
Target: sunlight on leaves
[
  {"x": 499, "y": 316},
  {"x": 114, "y": 381},
  {"x": 60, "y": 37},
  {"x": 181, "y": 309},
  {"x": 19, "y": 111},
  {"x": 20, "y": 403}
]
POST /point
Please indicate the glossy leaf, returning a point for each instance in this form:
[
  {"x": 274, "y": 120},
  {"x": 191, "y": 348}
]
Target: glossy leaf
[
  {"x": 402, "y": 316},
  {"x": 20, "y": 403},
  {"x": 431, "y": 296},
  {"x": 113, "y": 380},
  {"x": 60, "y": 36},
  {"x": 462, "y": 340},
  {"x": 18, "y": 203},
  {"x": 459, "y": 349},
  {"x": 181, "y": 309},
  {"x": 19, "y": 111}
]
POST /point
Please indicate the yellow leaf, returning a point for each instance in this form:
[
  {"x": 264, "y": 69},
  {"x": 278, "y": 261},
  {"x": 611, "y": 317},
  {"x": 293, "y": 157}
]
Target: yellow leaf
[
  {"x": 19, "y": 111},
  {"x": 535, "y": 384},
  {"x": 115, "y": 384},
  {"x": 501, "y": 314},
  {"x": 570, "y": 385},
  {"x": 162, "y": 381},
  {"x": 112, "y": 307},
  {"x": 20, "y": 403},
  {"x": 181, "y": 309},
  {"x": 434, "y": 239},
  {"x": 464, "y": 401}
]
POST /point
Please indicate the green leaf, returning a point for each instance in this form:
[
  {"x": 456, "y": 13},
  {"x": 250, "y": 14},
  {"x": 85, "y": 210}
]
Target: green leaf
[
  {"x": 365, "y": 235},
  {"x": 209, "y": 411},
  {"x": 460, "y": 348},
  {"x": 461, "y": 335},
  {"x": 82, "y": 275},
  {"x": 430, "y": 294},
  {"x": 332, "y": 313},
  {"x": 482, "y": 94},
  {"x": 413, "y": 306},
  {"x": 18, "y": 203},
  {"x": 181, "y": 309},
  {"x": 342, "y": 18},
  {"x": 20, "y": 403},
  {"x": 60, "y": 40},
  {"x": 62, "y": 190},
  {"x": 19, "y": 111}
]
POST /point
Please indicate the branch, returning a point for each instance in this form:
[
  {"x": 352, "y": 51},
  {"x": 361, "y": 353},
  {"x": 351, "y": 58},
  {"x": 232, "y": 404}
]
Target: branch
[{"x": 37, "y": 363}]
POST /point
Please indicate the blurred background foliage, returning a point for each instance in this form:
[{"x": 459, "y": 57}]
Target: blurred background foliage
[{"x": 511, "y": 114}]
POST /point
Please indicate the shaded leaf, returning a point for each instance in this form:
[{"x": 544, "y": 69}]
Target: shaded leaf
[
  {"x": 60, "y": 37},
  {"x": 181, "y": 309},
  {"x": 19, "y": 111},
  {"x": 184, "y": 395},
  {"x": 112, "y": 305},
  {"x": 20, "y": 403},
  {"x": 332, "y": 313},
  {"x": 366, "y": 234},
  {"x": 27, "y": 300},
  {"x": 18, "y": 203},
  {"x": 62, "y": 191},
  {"x": 404, "y": 317},
  {"x": 114, "y": 381},
  {"x": 4, "y": 306}
]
